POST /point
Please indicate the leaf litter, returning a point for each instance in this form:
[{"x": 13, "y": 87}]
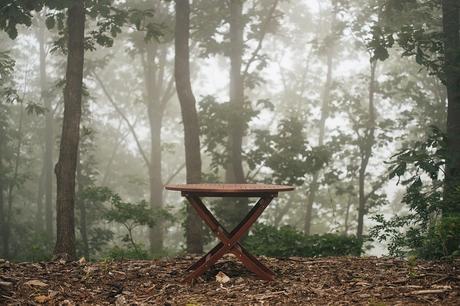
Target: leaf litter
[{"x": 299, "y": 281}]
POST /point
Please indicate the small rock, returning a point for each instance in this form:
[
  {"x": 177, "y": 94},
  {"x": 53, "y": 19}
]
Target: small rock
[{"x": 222, "y": 278}]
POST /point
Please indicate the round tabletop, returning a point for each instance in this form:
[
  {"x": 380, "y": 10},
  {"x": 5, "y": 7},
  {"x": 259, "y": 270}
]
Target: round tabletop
[{"x": 229, "y": 188}]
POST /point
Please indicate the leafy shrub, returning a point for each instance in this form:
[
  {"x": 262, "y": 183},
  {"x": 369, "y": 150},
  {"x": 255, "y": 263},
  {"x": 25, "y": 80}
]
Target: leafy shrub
[
  {"x": 132, "y": 216},
  {"x": 287, "y": 241},
  {"x": 118, "y": 253},
  {"x": 429, "y": 230}
]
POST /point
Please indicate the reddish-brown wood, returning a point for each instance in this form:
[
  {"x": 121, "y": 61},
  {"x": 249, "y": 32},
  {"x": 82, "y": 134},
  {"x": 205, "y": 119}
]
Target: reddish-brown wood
[
  {"x": 230, "y": 188},
  {"x": 229, "y": 242}
]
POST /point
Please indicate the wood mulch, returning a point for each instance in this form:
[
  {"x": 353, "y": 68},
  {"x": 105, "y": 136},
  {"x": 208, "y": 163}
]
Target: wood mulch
[{"x": 300, "y": 281}]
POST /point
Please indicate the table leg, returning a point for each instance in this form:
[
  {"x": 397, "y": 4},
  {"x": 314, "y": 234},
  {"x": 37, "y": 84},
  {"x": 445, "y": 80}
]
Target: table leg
[{"x": 229, "y": 241}]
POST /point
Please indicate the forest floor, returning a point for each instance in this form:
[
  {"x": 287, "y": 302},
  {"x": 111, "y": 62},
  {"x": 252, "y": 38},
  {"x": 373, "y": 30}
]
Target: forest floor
[{"x": 299, "y": 281}]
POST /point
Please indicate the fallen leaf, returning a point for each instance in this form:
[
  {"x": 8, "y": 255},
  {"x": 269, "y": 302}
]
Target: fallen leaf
[
  {"x": 36, "y": 282},
  {"x": 222, "y": 278},
  {"x": 82, "y": 261},
  {"x": 42, "y": 299}
]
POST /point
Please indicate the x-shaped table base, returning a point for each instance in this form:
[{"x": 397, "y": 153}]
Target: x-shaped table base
[{"x": 229, "y": 242}]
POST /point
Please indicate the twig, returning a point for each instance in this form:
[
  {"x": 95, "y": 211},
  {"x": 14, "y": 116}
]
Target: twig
[
  {"x": 120, "y": 112},
  {"x": 441, "y": 279},
  {"x": 428, "y": 291}
]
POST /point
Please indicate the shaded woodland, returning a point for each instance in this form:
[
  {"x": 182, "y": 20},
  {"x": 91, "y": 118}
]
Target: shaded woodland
[{"x": 355, "y": 103}]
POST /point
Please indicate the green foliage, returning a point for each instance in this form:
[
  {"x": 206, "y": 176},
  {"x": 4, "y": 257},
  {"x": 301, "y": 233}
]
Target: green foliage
[
  {"x": 215, "y": 120},
  {"x": 424, "y": 231},
  {"x": 94, "y": 199},
  {"x": 416, "y": 27},
  {"x": 133, "y": 215},
  {"x": 287, "y": 153},
  {"x": 28, "y": 244},
  {"x": 287, "y": 241},
  {"x": 108, "y": 17},
  {"x": 118, "y": 253}
]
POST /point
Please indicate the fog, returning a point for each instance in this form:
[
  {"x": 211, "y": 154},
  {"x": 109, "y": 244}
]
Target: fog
[{"x": 320, "y": 108}]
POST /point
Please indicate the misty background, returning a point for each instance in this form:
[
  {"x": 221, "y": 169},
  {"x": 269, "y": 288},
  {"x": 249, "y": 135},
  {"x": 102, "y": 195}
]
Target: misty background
[{"x": 320, "y": 113}]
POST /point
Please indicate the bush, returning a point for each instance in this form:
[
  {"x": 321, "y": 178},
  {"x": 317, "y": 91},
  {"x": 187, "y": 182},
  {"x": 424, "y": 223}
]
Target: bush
[
  {"x": 287, "y": 241},
  {"x": 118, "y": 253},
  {"x": 431, "y": 228}
]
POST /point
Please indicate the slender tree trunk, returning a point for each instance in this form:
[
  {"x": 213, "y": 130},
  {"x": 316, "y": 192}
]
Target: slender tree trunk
[
  {"x": 67, "y": 162},
  {"x": 347, "y": 216},
  {"x": 322, "y": 127},
  {"x": 13, "y": 182},
  {"x": 236, "y": 131},
  {"x": 451, "y": 28},
  {"x": 81, "y": 205},
  {"x": 366, "y": 153},
  {"x": 194, "y": 236},
  {"x": 156, "y": 185},
  {"x": 39, "y": 225},
  {"x": 236, "y": 209},
  {"x": 153, "y": 86},
  {"x": 48, "y": 132},
  {"x": 2, "y": 198},
  {"x": 108, "y": 167}
]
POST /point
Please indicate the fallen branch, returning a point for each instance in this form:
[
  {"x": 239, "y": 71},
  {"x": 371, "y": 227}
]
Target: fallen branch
[
  {"x": 428, "y": 291},
  {"x": 6, "y": 284}
]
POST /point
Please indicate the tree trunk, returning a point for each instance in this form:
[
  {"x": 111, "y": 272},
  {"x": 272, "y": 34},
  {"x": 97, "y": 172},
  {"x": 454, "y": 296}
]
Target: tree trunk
[
  {"x": 194, "y": 236},
  {"x": 13, "y": 183},
  {"x": 154, "y": 80},
  {"x": 67, "y": 162},
  {"x": 347, "y": 216},
  {"x": 2, "y": 199},
  {"x": 156, "y": 185},
  {"x": 236, "y": 131},
  {"x": 366, "y": 153},
  {"x": 81, "y": 205},
  {"x": 48, "y": 132},
  {"x": 322, "y": 127},
  {"x": 39, "y": 225},
  {"x": 451, "y": 28},
  {"x": 236, "y": 209}
]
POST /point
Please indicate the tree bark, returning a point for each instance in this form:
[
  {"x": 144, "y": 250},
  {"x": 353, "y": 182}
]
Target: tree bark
[
  {"x": 67, "y": 162},
  {"x": 451, "y": 28},
  {"x": 366, "y": 153},
  {"x": 194, "y": 236}
]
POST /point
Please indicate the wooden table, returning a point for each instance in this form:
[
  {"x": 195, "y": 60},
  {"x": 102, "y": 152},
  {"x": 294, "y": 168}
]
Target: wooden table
[{"x": 229, "y": 241}]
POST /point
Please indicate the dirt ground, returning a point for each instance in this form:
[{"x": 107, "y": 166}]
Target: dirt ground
[{"x": 300, "y": 281}]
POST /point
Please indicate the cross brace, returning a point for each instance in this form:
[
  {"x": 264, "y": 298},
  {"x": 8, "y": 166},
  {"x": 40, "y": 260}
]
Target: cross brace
[{"x": 229, "y": 242}]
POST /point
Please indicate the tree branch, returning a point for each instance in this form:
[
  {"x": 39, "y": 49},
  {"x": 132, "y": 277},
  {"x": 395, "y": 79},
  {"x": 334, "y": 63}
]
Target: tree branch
[
  {"x": 120, "y": 112},
  {"x": 175, "y": 173},
  {"x": 263, "y": 33}
]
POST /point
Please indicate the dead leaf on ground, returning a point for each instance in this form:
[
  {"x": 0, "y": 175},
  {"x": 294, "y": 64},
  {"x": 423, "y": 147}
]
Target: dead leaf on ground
[
  {"x": 42, "y": 299},
  {"x": 36, "y": 282},
  {"x": 222, "y": 278}
]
